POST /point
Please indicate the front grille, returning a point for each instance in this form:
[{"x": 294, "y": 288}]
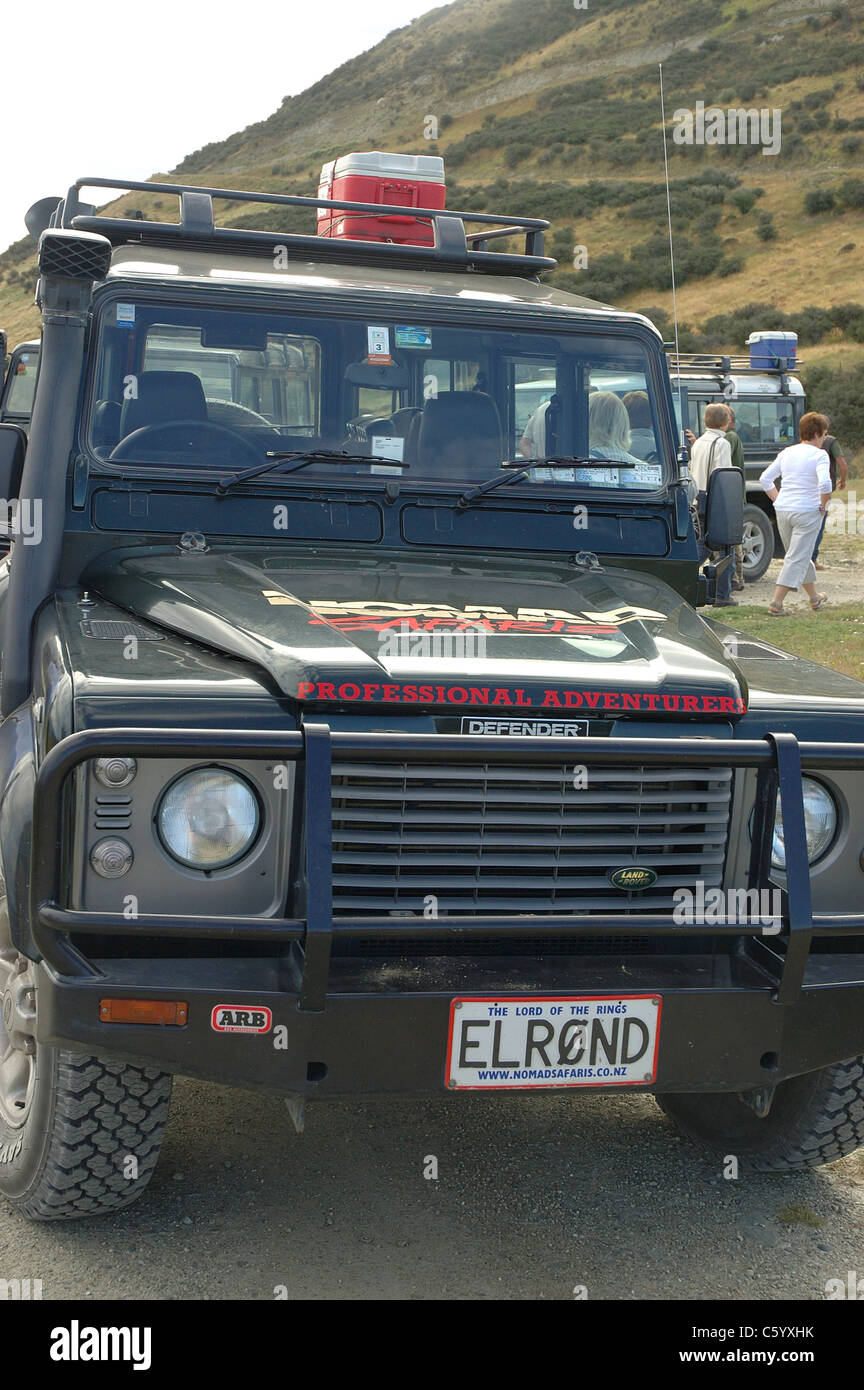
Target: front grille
[{"x": 472, "y": 840}]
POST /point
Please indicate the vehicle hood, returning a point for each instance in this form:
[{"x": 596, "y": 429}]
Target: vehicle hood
[{"x": 341, "y": 628}]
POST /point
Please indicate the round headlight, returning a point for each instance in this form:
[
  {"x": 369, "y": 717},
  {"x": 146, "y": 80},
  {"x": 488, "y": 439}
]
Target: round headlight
[
  {"x": 208, "y": 818},
  {"x": 820, "y": 823}
]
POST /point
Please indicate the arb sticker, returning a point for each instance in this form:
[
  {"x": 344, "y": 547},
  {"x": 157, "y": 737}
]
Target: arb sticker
[{"x": 233, "y": 1018}]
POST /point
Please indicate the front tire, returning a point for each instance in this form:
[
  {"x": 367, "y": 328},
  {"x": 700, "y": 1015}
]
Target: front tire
[
  {"x": 814, "y": 1119},
  {"x": 79, "y": 1135}
]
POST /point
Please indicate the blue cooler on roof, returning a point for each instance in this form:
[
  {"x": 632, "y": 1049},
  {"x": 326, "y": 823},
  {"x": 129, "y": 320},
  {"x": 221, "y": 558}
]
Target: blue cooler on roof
[{"x": 773, "y": 349}]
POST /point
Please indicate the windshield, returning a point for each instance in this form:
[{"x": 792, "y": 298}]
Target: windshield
[{"x": 178, "y": 386}]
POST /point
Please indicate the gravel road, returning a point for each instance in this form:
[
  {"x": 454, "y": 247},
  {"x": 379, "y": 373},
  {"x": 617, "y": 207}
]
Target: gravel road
[
  {"x": 842, "y": 579},
  {"x": 534, "y": 1197}
]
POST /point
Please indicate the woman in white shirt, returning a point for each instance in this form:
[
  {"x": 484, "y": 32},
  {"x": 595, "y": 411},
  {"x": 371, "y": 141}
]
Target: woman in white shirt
[{"x": 800, "y": 505}]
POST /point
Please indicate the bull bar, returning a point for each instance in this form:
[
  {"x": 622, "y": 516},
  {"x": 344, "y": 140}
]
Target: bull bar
[{"x": 779, "y": 760}]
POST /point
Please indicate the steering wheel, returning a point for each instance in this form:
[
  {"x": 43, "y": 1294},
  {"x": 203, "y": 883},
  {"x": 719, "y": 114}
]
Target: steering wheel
[
  {"x": 128, "y": 449},
  {"x": 222, "y": 412}
]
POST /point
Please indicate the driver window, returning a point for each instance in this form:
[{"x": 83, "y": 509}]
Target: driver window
[{"x": 193, "y": 388}]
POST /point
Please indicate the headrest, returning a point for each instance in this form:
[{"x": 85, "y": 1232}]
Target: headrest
[
  {"x": 106, "y": 424},
  {"x": 164, "y": 396},
  {"x": 461, "y": 430}
]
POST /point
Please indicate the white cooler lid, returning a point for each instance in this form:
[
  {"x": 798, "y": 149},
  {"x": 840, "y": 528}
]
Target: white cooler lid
[
  {"x": 783, "y": 336},
  {"x": 425, "y": 168}
]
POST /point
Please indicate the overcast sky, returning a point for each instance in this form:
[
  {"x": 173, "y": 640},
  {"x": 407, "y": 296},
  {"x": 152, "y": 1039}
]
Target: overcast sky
[{"x": 127, "y": 90}]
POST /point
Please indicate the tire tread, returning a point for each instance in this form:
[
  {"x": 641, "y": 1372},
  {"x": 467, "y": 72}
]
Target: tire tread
[
  {"x": 104, "y": 1109},
  {"x": 829, "y": 1124}
]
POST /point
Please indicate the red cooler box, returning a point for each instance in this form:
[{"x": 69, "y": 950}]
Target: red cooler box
[{"x": 409, "y": 180}]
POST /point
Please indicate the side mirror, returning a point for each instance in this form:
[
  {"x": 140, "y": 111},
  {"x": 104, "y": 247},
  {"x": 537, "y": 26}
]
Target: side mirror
[
  {"x": 724, "y": 509},
  {"x": 13, "y": 443}
]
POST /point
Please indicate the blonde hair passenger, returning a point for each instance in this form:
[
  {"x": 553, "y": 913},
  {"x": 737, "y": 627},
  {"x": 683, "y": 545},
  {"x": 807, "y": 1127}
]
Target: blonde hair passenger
[{"x": 608, "y": 421}]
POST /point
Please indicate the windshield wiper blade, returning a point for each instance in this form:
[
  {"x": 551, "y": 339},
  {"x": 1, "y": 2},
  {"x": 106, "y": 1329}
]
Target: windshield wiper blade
[
  {"x": 302, "y": 458},
  {"x": 516, "y": 470}
]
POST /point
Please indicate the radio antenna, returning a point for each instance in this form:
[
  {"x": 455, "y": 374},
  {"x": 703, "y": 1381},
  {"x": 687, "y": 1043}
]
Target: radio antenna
[{"x": 671, "y": 255}]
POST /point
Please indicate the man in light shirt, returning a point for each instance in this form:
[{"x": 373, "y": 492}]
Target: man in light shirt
[
  {"x": 711, "y": 451},
  {"x": 799, "y": 506},
  {"x": 533, "y": 441}
]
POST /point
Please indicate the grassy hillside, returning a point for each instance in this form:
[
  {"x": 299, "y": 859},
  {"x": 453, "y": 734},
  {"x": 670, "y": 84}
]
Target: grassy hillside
[{"x": 545, "y": 109}]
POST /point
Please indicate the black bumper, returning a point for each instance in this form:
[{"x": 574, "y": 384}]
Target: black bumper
[
  {"x": 712, "y": 1037},
  {"x": 340, "y": 1026}
]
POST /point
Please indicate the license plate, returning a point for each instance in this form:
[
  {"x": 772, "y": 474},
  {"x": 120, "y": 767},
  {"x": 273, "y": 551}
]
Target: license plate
[{"x": 557, "y": 1040}]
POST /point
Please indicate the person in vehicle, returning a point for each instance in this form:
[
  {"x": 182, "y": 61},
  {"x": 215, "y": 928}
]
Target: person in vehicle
[
  {"x": 532, "y": 445},
  {"x": 609, "y": 428},
  {"x": 638, "y": 408},
  {"x": 799, "y": 506}
]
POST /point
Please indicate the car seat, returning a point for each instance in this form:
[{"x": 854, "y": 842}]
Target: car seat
[
  {"x": 164, "y": 397},
  {"x": 459, "y": 435}
]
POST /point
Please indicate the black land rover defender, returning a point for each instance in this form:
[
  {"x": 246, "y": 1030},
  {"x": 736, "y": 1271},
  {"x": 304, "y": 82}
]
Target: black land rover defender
[{"x": 360, "y": 733}]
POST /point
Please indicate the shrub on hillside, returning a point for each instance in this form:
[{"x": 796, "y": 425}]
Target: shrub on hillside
[
  {"x": 839, "y": 392},
  {"x": 850, "y": 194},
  {"x": 766, "y": 231},
  {"x": 819, "y": 200}
]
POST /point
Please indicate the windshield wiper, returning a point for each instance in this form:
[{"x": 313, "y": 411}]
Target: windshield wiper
[
  {"x": 516, "y": 470},
  {"x": 302, "y": 458}
]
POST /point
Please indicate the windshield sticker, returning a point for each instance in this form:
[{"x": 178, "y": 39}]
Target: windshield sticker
[
  {"x": 378, "y": 345},
  {"x": 351, "y": 692},
  {"x": 409, "y": 336},
  {"x": 646, "y": 473},
  {"x": 125, "y": 315},
  {"x": 388, "y": 446}
]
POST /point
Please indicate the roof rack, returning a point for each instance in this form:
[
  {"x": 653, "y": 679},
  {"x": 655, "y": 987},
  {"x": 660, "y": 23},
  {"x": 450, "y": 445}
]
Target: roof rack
[
  {"x": 454, "y": 247},
  {"x": 723, "y": 366}
]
